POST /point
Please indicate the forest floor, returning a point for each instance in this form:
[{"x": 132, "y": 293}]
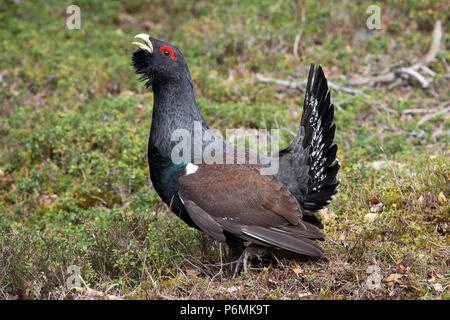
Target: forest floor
[{"x": 75, "y": 194}]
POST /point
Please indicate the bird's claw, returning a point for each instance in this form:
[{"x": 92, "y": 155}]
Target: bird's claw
[{"x": 253, "y": 250}]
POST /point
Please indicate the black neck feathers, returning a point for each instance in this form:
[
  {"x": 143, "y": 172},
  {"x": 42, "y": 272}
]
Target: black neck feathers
[{"x": 174, "y": 108}]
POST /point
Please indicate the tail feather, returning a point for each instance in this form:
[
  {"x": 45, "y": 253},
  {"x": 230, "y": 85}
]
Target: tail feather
[
  {"x": 309, "y": 165},
  {"x": 284, "y": 239},
  {"x": 318, "y": 122}
]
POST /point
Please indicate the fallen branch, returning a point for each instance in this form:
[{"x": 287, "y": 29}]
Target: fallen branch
[
  {"x": 407, "y": 73},
  {"x": 432, "y": 115},
  {"x": 385, "y": 78},
  {"x": 419, "y": 135},
  {"x": 413, "y": 111},
  {"x": 94, "y": 293},
  {"x": 435, "y": 45},
  {"x": 337, "y": 87},
  {"x": 301, "y": 85},
  {"x": 413, "y": 73}
]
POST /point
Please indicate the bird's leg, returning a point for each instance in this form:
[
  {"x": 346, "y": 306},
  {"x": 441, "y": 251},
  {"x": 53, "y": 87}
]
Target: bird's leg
[
  {"x": 236, "y": 248},
  {"x": 252, "y": 250}
]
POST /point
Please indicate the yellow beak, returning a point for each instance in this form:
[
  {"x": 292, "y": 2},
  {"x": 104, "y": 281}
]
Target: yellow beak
[{"x": 144, "y": 46}]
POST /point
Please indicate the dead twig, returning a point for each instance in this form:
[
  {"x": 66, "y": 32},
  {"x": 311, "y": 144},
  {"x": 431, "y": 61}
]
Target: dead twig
[
  {"x": 95, "y": 293},
  {"x": 301, "y": 85},
  {"x": 433, "y": 115},
  {"x": 298, "y": 37},
  {"x": 412, "y": 111},
  {"x": 393, "y": 171},
  {"x": 434, "y": 48},
  {"x": 414, "y": 74}
]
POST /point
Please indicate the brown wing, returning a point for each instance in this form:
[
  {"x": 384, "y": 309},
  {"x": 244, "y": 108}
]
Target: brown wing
[{"x": 254, "y": 207}]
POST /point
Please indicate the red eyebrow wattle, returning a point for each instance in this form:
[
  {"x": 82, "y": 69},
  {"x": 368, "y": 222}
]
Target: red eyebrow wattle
[{"x": 167, "y": 48}]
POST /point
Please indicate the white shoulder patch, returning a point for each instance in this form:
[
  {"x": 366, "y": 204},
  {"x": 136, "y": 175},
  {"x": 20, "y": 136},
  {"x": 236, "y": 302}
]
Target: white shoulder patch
[{"x": 191, "y": 168}]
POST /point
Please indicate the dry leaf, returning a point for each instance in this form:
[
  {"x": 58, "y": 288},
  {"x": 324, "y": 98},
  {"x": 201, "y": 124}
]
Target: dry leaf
[
  {"x": 192, "y": 272},
  {"x": 297, "y": 270},
  {"x": 328, "y": 215},
  {"x": 376, "y": 208},
  {"x": 304, "y": 294},
  {"x": 442, "y": 199},
  {"x": 393, "y": 278},
  {"x": 126, "y": 93},
  {"x": 403, "y": 269},
  {"x": 371, "y": 217},
  {"x": 421, "y": 200},
  {"x": 438, "y": 287},
  {"x": 374, "y": 199},
  {"x": 48, "y": 199},
  {"x": 232, "y": 289}
]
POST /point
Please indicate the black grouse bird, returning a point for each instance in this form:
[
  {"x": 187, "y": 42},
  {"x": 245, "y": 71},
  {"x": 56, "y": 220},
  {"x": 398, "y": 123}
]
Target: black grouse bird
[{"x": 235, "y": 202}]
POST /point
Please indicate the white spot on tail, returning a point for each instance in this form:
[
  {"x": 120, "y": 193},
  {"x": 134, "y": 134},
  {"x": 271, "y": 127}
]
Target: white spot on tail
[{"x": 191, "y": 168}]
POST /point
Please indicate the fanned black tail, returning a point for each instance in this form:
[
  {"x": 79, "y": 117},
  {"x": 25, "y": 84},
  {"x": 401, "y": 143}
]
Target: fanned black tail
[{"x": 317, "y": 121}]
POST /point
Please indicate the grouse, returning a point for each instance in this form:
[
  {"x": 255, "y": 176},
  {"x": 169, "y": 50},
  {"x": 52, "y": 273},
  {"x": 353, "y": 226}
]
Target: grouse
[{"x": 235, "y": 201}]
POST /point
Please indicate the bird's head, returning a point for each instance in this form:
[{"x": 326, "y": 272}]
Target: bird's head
[{"x": 159, "y": 62}]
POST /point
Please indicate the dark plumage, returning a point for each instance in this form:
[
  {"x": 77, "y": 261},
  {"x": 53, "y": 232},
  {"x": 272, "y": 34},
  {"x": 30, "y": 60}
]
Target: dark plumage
[
  {"x": 239, "y": 200},
  {"x": 235, "y": 203}
]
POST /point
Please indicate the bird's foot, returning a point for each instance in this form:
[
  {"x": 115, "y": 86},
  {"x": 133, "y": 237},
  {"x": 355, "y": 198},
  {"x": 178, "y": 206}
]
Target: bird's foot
[{"x": 251, "y": 251}]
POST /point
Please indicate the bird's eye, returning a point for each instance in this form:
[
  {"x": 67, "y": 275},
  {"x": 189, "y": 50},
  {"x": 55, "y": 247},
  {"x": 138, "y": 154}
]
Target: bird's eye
[{"x": 167, "y": 51}]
